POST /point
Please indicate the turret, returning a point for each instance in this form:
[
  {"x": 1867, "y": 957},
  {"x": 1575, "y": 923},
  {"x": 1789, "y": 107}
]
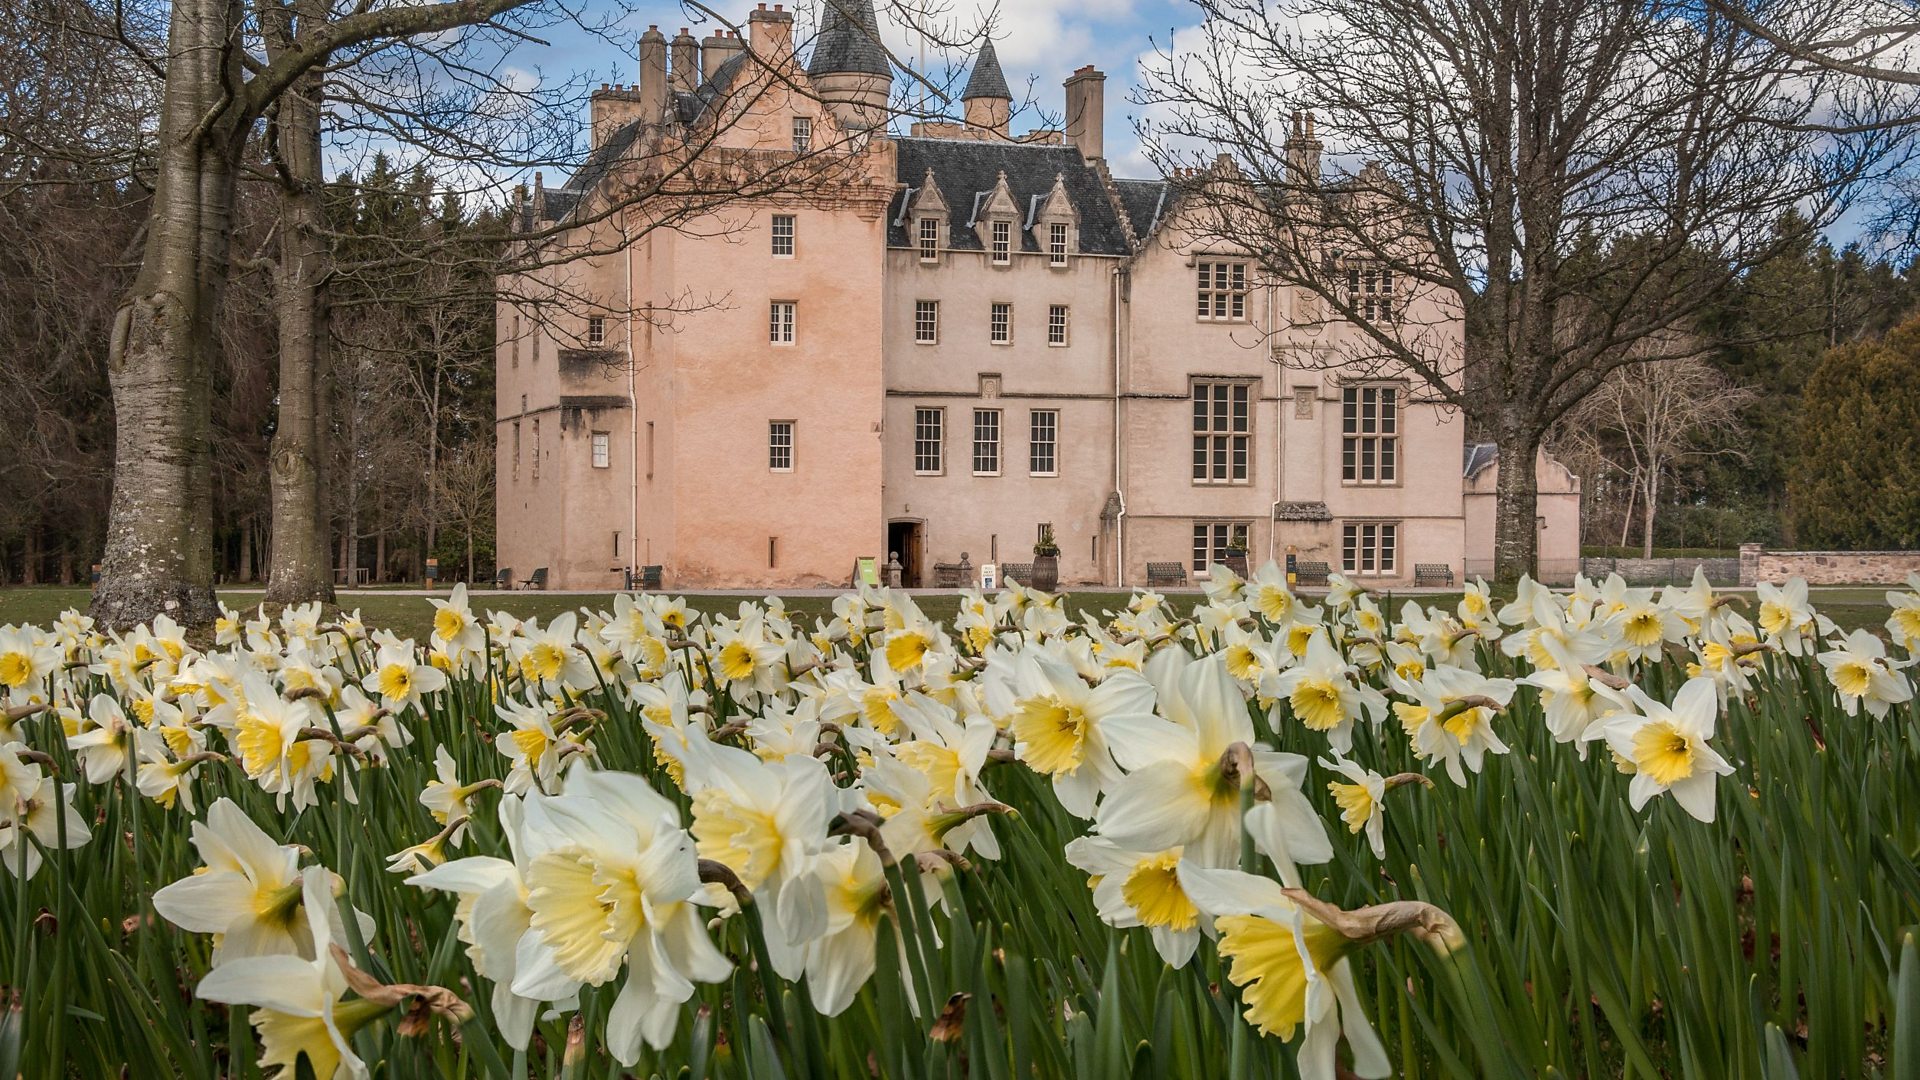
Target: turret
[
  {"x": 988, "y": 102},
  {"x": 849, "y": 65}
]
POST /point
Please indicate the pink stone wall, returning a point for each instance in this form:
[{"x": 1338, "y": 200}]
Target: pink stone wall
[
  {"x": 996, "y": 518},
  {"x": 1559, "y": 512}
]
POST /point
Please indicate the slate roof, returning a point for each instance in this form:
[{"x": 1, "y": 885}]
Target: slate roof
[
  {"x": 965, "y": 169},
  {"x": 590, "y": 173},
  {"x": 1479, "y": 456},
  {"x": 1146, "y": 202},
  {"x": 987, "y": 80},
  {"x": 690, "y": 107},
  {"x": 849, "y": 40}
]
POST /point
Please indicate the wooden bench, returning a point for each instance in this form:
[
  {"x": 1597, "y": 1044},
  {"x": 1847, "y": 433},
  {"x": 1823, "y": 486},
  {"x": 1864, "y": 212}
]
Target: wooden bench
[
  {"x": 1307, "y": 572},
  {"x": 1433, "y": 574},
  {"x": 650, "y": 577},
  {"x": 947, "y": 575},
  {"x": 1166, "y": 573},
  {"x": 503, "y": 578},
  {"x": 537, "y": 581},
  {"x": 1021, "y": 572}
]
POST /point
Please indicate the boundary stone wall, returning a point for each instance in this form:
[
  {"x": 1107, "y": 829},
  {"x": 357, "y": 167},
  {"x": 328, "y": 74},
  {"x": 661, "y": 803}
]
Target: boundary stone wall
[
  {"x": 1723, "y": 571},
  {"x": 1826, "y": 567}
]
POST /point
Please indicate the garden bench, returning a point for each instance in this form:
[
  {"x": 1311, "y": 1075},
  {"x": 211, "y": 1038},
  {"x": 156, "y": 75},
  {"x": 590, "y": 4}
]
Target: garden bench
[
  {"x": 503, "y": 578},
  {"x": 1021, "y": 572},
  {"x": 537, "y": 581},
  {"x": 1306, "y": 572},
  {"x": 1166, "y": 573},
  {"x": 1433, "y": 574}
]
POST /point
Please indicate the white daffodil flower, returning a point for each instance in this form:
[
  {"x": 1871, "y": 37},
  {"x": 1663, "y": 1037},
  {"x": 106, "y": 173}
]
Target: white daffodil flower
[{"x": 1666, "y": 746}]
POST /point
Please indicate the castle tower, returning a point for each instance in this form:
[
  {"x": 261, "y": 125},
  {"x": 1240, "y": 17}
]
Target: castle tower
[
  {"x": 849, "y": 65},
  {"x": 989, "y": 104}
]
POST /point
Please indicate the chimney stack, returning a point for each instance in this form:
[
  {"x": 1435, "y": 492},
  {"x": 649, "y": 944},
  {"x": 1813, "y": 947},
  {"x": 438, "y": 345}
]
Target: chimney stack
[
  {"x": 770, "y": 33},
  {"x": 653, "y": 75},
  {"x": 717, "y": 50},
  {"x": 614, "y": 107},
  {"x": 684, "y": 74},
  {"x": 1086, "y": 111},
  {"x": 1303, "y": 151}
]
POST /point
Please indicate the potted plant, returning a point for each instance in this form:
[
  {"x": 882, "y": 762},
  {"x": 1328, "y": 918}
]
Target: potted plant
[
  {"x": 1046, "y": 561},
  {"x": 1236, "y": 559}
]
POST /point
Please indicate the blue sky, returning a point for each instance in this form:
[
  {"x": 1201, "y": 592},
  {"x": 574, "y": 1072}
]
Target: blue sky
[{"x": 1042, "y": 40}]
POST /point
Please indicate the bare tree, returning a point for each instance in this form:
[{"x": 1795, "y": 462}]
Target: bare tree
[
  {"x": 463, "y": 493},
  {"x": 1563, "y": 183},
  {"x": 1649, "y": 420}
]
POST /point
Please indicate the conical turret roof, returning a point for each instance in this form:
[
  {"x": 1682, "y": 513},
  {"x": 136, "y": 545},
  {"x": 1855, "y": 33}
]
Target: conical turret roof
[
  {"x": 849, "y": 40},
  {"x": 987, "y": 80}
]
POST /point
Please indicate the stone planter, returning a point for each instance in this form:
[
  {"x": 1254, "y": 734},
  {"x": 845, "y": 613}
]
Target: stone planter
[
  {"x": 1046, "y": 573},
  {"x": 1236, "y": 561}
]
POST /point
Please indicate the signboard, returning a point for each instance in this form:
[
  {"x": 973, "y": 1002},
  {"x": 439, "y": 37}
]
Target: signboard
[
  {"x": 989, "y": 577},
  {"x": 866, "y": 570}
]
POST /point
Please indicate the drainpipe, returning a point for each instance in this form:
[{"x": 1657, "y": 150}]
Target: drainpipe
[
  {"x": 1120, "y": 517},
  {"x": 633, "y": 433},
  {"x": 1279, "y": 434}
]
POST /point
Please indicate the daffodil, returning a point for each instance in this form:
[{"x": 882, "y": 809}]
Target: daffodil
[
  {"x": 103, "y": 748},
  {"x": 493, "y": 918},
  {"x": 25, "y": 662},
  {"x": 39, "y": 815},
  {"x": 1786, "y": 616},
  {"x": 454, "y": 625},
  {"x": 1141, "y": 888},
  {"x": 1903, "y": 625},
  {"x": 1058, "y": 724},
  {"x": 1859, "y": 669},
  {"x": 840, "y": 958},
  {"x": 399, "y": 678},
  {"x": 767, "y": 821},
  {"x": 271, "y": 739},
  {"x": 549, "y": 658},
  {"x": 1362, "y": 801},
  {"x": 1180, "y": 789},
  {"x": 1667, "y": 746},
  {"x": 298, "y": 1000},
  {"x": 1322, "y": 694},
  {"x": 250, "y": 891},
  {"x": 612, "y": 884},
  {"x": 1293, "y": 970}
]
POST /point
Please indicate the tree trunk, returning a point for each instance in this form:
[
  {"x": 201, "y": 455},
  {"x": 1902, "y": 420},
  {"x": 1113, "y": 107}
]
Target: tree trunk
[
  {"x": 246, "y": 550},
  {"x": 30, "y": 564},
  {"x": 159, "y": 545},
  {"x": 1652, "y": 499},
  {"x": 299, "y": 570},
  {"x": 1516, "y": 533}
]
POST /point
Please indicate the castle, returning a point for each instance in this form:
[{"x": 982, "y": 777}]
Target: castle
[{"x": 937, "y": 341}]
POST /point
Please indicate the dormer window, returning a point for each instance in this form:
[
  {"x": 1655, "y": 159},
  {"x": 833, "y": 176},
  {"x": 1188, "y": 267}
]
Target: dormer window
[
  {"x": 929, "y": 239},
  {"x": 1057, "y": 244},
  {"x": 1002, "y": 242}
]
